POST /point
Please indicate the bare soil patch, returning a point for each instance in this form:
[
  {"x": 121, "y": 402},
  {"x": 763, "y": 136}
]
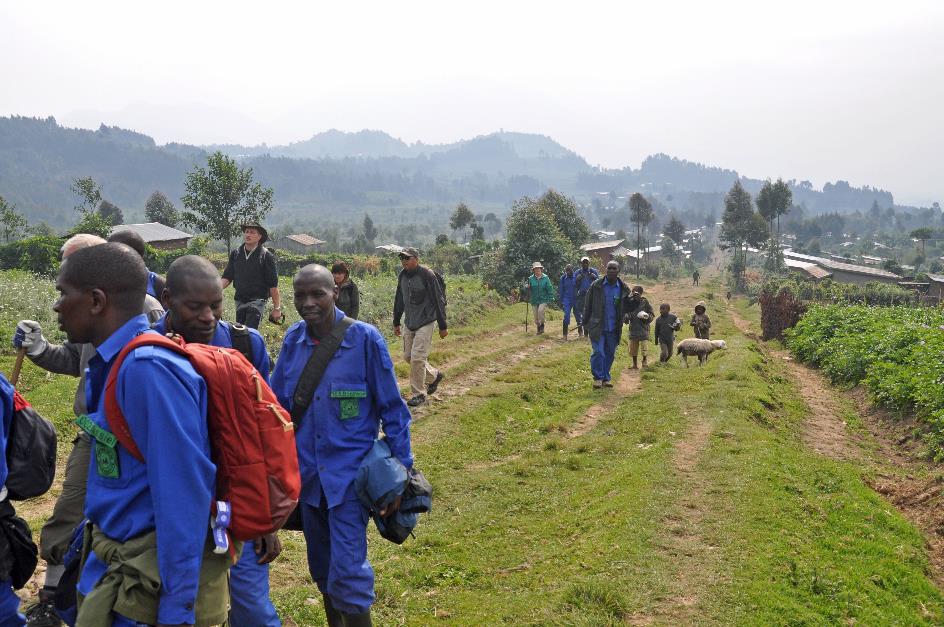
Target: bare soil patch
[{"x": 628, "y": 382}]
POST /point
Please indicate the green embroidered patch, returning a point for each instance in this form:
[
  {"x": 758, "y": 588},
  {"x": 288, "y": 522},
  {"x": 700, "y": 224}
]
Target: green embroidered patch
[
  {"x": 106, "y": 460},
  {"x": 350, "y": 407},
  {"x": 101, "y": 435},
  {"x": 348, "y": 394}
]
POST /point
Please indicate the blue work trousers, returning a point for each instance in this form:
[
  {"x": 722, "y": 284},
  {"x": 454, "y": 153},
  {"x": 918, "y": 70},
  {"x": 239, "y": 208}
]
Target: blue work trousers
[
  {"x": 9, "y": 606},
  {"x": 336, "y": 539},
  {"x": 567, "y": 305},
  {"x": 249, "y": 592},
  {"x": 604, "y": 352}
]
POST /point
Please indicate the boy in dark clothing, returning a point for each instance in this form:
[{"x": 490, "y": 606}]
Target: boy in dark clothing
[
  {"x": 701, "y": 323},
  {"x": 639, "y": 314},
  {"x": 666, "y": 326}
]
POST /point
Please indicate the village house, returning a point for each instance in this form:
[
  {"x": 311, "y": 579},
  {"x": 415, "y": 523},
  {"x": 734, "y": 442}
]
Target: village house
[
  {"x": 157, "y": 235},
  {"x": 302, "y": 243},
  {"x": 847, "y": 272}
]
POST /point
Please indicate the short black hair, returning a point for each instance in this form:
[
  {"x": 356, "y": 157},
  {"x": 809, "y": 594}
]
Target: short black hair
[
  {"x": 637, "y": 288},
  {"x": 189, "y": 267},
  {"x": 340, "y": 267},
  {"x": 113, "y": 268},
  {"x": 131, "y": 239}
]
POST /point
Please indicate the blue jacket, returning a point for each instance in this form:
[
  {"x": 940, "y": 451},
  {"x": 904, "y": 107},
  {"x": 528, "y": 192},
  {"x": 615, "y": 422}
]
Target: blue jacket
[
  {"x": 6, "y": 418},
  {"x": 357, "y": 394},
  {"x": 165, "y": 403},
  {"x": 222, "y": 337},
  {"x": 568, "y": 288},
  {"x": 381, "y": 479},
  {"x": 585, "y": 279}
]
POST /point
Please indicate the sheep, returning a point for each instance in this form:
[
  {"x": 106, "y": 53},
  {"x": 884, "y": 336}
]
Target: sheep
[{"x": 692, "y": 347}]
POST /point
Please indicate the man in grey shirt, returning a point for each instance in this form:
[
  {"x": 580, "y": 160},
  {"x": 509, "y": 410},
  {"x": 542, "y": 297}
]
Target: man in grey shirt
[
  {"x": 420, "y": 297},
  {"x": 71, "y": 359}
]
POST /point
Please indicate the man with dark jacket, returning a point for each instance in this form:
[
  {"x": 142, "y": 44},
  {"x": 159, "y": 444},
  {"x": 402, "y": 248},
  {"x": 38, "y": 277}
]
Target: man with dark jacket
[
  {"x": 603, "y": 322},
  {"x": 639, "y": 314},
  {"x": 252, "y": 268},
  {"x": 583, "y": 279},
  {"x": 419, "y": 296}
]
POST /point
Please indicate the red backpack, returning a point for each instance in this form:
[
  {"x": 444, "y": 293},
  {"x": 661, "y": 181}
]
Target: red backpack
[{"x": 252, "y": 439}]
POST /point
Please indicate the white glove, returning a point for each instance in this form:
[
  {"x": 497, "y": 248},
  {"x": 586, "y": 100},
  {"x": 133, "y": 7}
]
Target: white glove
[{"x": 29, "y": 335}]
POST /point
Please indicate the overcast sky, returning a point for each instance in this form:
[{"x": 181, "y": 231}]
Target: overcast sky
[{"x": 812, "y": 90}]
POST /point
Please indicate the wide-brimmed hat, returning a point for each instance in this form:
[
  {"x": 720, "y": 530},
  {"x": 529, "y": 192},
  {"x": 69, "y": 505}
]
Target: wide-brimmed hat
[
  {"x": 409, "y": 251},
  {"x": 258, "y": 227},
  {"x": 537, "y": 264}
]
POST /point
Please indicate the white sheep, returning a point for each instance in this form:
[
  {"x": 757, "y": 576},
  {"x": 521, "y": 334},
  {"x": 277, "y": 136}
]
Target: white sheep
[{"x": 693, "y": 346}]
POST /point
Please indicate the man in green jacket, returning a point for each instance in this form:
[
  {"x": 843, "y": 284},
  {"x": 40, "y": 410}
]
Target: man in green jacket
[{"x": 542, "y": 293}]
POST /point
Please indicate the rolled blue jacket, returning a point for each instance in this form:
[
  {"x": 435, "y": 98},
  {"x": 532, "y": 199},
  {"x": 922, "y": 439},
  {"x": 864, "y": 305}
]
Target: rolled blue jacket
[
  {"x": 357, "y": 394},
  {"x": 380, "y": 479},
  {"x": 222, "y": 337},
  {"x": 165, "y": 404},
  {"x": 6, "y": 419},
  {"x": 585, "y": 279},
  {"x": 568, "y": 288}
]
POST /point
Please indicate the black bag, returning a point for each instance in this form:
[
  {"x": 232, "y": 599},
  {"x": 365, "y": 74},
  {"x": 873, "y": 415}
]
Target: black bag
[
  {"x": 31, "y": 452},
  {"x": 307, "y": 384},
  {"x": 18, "y": 552}
]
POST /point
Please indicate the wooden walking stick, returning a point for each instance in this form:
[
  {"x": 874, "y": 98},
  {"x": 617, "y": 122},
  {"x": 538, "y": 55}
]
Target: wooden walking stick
[
  {"x": 527, "y": 312},
  {"x": 17, "y": 366}
]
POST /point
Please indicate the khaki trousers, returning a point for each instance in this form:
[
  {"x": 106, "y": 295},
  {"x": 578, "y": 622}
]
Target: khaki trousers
[
  {"x": 635, "y": 345},
  {"x": 416, "y": 347},
  {"x": 539, "y": 313}
]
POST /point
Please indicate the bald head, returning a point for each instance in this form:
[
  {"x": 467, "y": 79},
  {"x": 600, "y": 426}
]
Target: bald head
[
  {"x": 314, "y": 273},
  {"x": 114, "y": 269},
  {"x": 78, "y": 242},
  {"x": 190, "y": 268}
]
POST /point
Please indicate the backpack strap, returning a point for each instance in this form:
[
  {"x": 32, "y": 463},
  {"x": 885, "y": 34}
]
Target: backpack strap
[
  {"x": 242, "y": 340},
  {"x": 113, "y": 414},
  {"x": 315, "y": 368}
]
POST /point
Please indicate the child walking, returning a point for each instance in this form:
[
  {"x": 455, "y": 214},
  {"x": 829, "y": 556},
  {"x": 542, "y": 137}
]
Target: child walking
[{"x": 666, "y": 326}]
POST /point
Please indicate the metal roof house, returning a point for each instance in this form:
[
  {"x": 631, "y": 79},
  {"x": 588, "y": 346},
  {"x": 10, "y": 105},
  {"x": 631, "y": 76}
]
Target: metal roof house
[
  {"x": 157, "y": 235},
  {"x": 606, "y": 251},
  {"x": 847, "y": 272},
  {"x": 936, "y": 287},
  {"x": 299, "y": 243},
  {"x": 806, "y": 269}
]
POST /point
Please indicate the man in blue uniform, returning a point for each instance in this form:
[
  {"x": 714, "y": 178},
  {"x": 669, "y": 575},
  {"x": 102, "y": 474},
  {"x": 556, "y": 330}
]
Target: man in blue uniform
[
  {"x": 603, "y": 317},
  {"x": 357, "y": 394},
  {"x": 9, "y": 602},
  {"x": 568, "y": 296},
  {"x": 149, "y": 537},
  {"x": 193, "y": 299},
  {"x": 583, "y": 279}
]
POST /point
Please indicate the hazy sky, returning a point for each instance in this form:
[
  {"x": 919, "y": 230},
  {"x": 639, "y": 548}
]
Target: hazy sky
[{"x": 809, "y": 90}]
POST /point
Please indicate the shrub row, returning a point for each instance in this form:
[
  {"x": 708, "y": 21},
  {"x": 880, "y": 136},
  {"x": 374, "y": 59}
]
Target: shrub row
[{"x": 896, "y": 352}]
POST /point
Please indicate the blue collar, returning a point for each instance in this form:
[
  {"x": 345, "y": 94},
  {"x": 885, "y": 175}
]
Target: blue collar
[
  {"x": 125, "y": 333},
  {"x": 306, "y": 338}
]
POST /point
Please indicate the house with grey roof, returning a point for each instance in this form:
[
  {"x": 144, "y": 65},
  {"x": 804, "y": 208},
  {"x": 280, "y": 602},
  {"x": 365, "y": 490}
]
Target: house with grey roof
[{"x": 157, "y": 235}]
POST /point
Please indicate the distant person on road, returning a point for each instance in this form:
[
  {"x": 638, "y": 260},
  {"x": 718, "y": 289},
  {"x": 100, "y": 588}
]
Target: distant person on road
[
  {"x": 583, "y": 279},
  {"x": 421, "y": 300},
  {"x": 541, "y": 293},
  {"x": 666, "y": 326},
  {"x": 155, "y": 284},
  {"x": 639, "y": 314},
  {"x": 568, "y": 295},
  {"x": 700, "y": 322},
  {"x": 71, "y": 359},
  {"x": 349, "y": 298},
  {"x": 603, "y": 322},
  {"x": 695, "y": 276},
  {"x": 253, "y": 270},
  {"x": 356, "y": 396}
]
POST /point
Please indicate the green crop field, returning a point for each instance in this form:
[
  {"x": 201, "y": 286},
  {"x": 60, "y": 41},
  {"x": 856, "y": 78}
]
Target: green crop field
[{"x": 682, "y": 496}]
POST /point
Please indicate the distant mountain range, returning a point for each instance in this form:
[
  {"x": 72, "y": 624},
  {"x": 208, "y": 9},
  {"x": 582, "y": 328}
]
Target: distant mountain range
[{"x": 366, "y": 170}]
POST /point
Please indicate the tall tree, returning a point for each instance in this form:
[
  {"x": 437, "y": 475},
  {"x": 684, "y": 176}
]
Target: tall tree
[
  {"x": 370, "y": 231},
  {"x": 89, "y": 193},
  {"x": 640, "y": 214},
  {"x": 12, "y": 222},
  {"x": 675, "y": 229},
  {"x": 741, "y": 227},
  {"x": 922, "y": 235},
  {"x": 159, "y": 208},
  {"x": 222, "y": 196},
  {"x": 111, "y": 212},
  {"x": 567, "y": 216},
  {"x": 461, "y": 218}
]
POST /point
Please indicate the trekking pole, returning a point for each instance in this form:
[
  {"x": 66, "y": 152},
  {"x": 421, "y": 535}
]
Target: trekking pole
[
  {"x": 527, "y": 312},
  {"x": 17, "y": 366}
]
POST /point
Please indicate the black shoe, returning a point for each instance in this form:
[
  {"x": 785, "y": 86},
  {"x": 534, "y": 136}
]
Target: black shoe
[
  {"x": 432, "y": 387},
  {"x": 357, "y": 620},
  {"x": 42, "y": 614},
  {"x": 417, "y": 400}
]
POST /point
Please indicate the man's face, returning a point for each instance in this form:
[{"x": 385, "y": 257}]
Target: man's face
[
  {"x": 612, "y": 271},
  {"x": 196, "y": 309},
  {"x": 251, "y": 236},
  {"x": 585, "y": 264},
  {"x": 409, "y": 263},
  {"x": 314, "y": 299},
  {"x": 74, "y": 312}
]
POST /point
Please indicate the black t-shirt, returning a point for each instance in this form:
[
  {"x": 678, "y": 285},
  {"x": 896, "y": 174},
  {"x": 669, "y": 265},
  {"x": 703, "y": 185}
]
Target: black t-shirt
[{"x": 253, "y": 276}]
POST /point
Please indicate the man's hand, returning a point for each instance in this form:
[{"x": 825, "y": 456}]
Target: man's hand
[
  {"x": 268, "y": 547},
  {"x": 443, "y": 333},
  {"x": 29, "y": 336},
  {"x": 396, "y": 330},
  {"x": 392, "y": 507}
]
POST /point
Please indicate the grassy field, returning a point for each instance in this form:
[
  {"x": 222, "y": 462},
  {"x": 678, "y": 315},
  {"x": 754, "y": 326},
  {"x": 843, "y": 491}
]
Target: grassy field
[{"x": 682, "y": 496}]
